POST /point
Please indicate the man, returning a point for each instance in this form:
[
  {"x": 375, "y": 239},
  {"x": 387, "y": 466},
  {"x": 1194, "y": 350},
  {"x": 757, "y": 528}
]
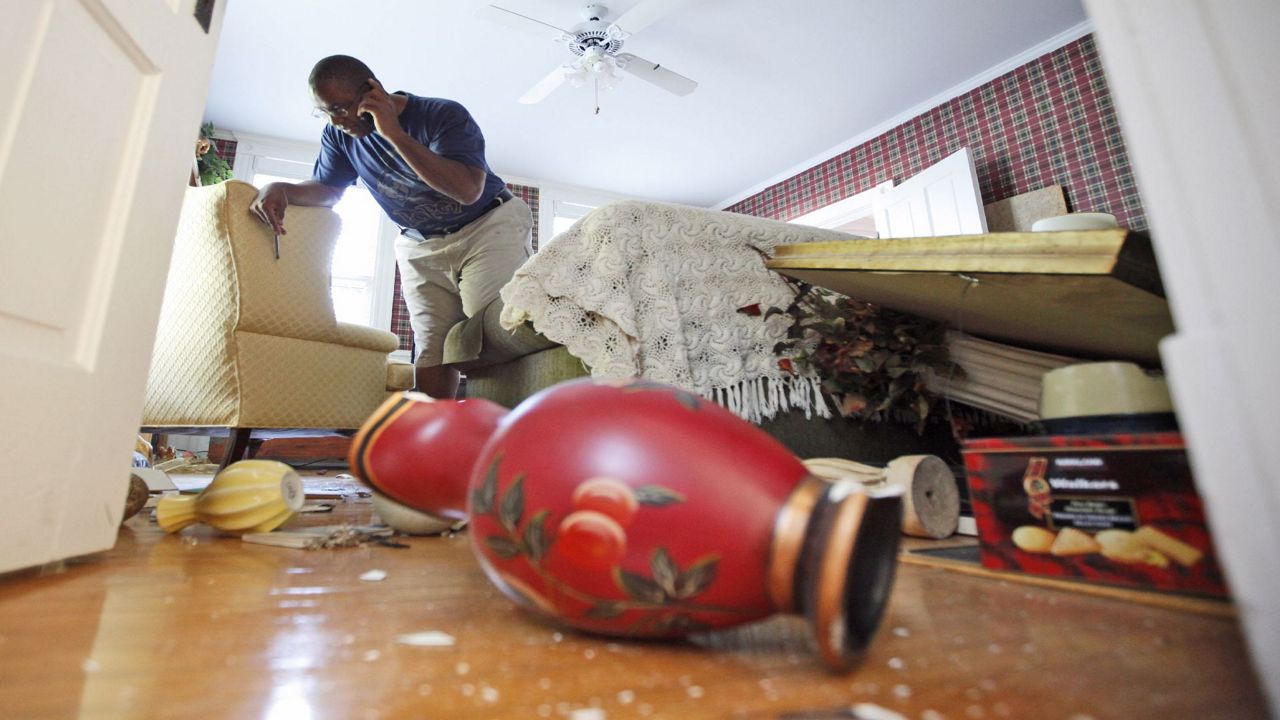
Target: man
[{"x": 463, "y": 233}]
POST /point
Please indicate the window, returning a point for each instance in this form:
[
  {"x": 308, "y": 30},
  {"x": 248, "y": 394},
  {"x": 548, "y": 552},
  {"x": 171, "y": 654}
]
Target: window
[
  {"x": 565, "y": 214},
  {"x": 564, "y": 205},
  {"x": 354, "y": 254}
]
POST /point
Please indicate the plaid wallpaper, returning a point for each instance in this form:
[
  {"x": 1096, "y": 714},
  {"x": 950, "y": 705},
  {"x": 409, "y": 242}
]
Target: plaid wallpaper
[
  {"x": 226, "y": 149},
  {"x": 400, "y": 316},
  {"x": 529, "y": 194},
  {"x": 400, "y": 312},
  {"x": 1049, "y": 122}
]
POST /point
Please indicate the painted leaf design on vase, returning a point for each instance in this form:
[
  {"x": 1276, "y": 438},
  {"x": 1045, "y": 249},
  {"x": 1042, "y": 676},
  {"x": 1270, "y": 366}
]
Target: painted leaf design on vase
[
  {"x": 639, "y": 587},
  {"x": 502, "y": 547},
  {"x": 535, "y": 535},
  {"x": 697, "y": 578},
  {"x": 665, "y": 571},
  {"x": 511, "y": 507},
  {"x": 669, "y": 583},
  {"x": 482, "y": 498},
  {"x": 657, "y": 496}
]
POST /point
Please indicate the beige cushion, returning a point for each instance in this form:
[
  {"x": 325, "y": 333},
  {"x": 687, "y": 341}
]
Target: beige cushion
[
  {"x": 481, "y": 341},
  {"x": 400, "y": 376},
  {"x": 246, "y": 340}
]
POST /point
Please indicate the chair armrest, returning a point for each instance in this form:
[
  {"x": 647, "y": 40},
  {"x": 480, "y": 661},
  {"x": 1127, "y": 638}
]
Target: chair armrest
[
  {"x": 481, "y": 341},
  {"x": 366, "y": 338}
]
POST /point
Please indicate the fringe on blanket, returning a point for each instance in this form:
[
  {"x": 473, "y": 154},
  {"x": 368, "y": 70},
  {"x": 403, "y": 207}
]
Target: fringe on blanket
[{"x": 764, "y": 397}]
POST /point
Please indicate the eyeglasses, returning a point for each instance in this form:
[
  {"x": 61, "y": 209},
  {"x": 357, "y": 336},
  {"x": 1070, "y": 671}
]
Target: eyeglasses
[{"x": 341, "y": 111}]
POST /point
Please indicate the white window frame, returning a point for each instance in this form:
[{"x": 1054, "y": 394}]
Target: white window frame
[
  {"x": 277, "y": 156},
  {"x": 559, "y": 199}
]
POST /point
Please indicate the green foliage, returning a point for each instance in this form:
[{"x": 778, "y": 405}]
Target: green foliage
[
  {"x": 213, "y": 169},
  {"x": 872, "y": 360}
]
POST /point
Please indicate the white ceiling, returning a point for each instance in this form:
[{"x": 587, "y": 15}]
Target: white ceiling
[{"x": 780, "y": 81}]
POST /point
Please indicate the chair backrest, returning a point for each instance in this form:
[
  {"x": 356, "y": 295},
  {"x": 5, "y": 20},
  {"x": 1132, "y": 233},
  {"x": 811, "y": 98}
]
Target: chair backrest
[{"x": 288, "y": 296}]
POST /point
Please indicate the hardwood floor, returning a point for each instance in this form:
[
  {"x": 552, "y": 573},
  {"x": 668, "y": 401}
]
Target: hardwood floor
[{"x": 200, "y": 626}]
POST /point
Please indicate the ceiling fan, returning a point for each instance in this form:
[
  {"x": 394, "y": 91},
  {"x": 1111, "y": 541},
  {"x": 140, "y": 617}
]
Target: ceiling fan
[{"x": 596, "y": 44}]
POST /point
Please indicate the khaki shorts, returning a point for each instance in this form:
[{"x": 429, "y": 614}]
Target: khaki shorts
[{"x": 446, "y": 279}]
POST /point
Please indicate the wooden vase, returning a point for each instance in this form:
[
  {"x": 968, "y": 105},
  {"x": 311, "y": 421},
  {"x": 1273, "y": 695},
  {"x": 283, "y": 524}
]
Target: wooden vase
[
  {"x": 249, "y": 496},
  {"x": 418, "y": 451},
  {"x": 637, "y": 509}
]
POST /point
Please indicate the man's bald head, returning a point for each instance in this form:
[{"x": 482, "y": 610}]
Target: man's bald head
[{"x": 340, "y": 69}]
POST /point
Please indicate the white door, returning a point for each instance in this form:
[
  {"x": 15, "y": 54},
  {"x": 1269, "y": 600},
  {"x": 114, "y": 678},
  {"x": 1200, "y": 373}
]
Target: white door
[
  {"x": 1194, "y": 84},
  {"x": 103, "y": 101},
  {"x": 942, "y": 199}
]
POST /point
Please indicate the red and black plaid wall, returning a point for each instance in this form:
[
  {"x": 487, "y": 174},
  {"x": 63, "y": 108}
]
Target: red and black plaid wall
[
  {"x": 226, "y": 149},
  {"x": 1048, "y": 122}
]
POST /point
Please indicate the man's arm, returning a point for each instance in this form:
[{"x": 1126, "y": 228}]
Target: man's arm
[
  {"x": 460, "y": 182},
  {"x": 275, "y": 197}
]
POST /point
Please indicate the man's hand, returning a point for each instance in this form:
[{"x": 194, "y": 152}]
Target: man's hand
[
  {"x": 270, "y": 205},
  {"x": 376, "y": 102}
]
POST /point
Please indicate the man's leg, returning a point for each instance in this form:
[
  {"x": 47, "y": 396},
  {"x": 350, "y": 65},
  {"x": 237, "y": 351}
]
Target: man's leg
[
  {"x": 496, "y": 248},
  {"x": 438, "y": 381},
  {"x": 428, "y": 282}
]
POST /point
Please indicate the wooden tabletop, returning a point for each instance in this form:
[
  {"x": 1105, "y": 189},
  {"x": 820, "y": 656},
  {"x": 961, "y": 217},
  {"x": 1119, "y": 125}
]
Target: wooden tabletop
[
  {"x": 201, "y": 626},
  {"x": 1091, "y": 293}
]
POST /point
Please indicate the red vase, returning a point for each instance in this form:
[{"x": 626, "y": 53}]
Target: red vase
[
  {"x": 637, "y": 509},
  {"x": 419, "y": 451}
]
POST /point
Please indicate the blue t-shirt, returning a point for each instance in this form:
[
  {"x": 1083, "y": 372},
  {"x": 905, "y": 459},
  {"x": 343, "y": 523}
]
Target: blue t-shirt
[{"x": 444, "y": 127}]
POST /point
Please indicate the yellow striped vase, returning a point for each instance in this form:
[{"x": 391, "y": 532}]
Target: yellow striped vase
[{"x": 249, "y": 496}]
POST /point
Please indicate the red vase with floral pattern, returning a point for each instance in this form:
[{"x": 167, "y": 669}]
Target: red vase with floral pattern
[
  {"x": 419, "y": 451},
  {"x": 637, "y": 509}
]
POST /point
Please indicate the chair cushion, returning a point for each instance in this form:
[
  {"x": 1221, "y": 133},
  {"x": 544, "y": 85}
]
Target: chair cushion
[
  {"x": 400, "y": 376},
  {"x": 480, "y": 340},
  {"x": 365, "y": 338}
]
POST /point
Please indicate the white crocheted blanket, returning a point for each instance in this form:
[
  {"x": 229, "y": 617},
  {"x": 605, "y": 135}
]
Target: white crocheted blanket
[{"x": 641, "y": 289}]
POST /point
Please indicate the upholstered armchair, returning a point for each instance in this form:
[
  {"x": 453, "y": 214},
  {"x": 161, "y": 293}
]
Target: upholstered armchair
[{"x": 247, "y": 341}]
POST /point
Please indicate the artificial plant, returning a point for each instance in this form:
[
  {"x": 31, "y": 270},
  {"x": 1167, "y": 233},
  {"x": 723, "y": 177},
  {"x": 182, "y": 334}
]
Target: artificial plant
[
  {"x": 873, "y": 361},
  {"x": 212, "y": 168}
]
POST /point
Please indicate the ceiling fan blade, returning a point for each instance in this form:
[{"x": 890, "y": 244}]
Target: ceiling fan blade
[
  {"x": 544, "y": 87},
  {"x": 647, "y": 13},
  {"x": 652, "y": 72},
  {"x": 520, "y": 22}
]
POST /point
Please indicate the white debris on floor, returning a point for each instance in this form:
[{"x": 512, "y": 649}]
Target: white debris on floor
[
  {"x": 871, "y": 711},
  {"x": 427, "y": 638}
]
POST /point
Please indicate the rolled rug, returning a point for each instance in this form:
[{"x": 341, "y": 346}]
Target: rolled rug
[{"x": 931, "y": 500}]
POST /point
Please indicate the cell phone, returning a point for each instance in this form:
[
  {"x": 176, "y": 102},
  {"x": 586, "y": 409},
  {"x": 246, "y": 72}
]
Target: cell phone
[{"x": 364, "y": 116}]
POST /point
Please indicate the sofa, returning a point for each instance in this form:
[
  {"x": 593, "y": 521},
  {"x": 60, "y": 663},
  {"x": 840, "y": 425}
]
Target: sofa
[{"x": 247, "y": 341}]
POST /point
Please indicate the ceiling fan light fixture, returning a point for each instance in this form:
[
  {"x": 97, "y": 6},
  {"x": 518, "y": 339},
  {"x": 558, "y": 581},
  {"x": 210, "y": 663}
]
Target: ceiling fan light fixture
[{"x": 597, "y": 43}]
